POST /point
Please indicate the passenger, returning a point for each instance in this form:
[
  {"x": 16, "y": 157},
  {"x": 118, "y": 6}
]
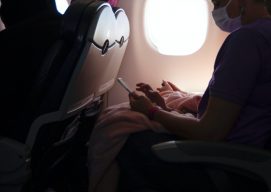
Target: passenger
[{"x": 235, "y": 108}]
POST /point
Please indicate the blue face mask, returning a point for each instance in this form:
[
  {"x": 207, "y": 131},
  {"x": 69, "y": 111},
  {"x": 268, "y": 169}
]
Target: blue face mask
[{"x": 223, "y": 21}]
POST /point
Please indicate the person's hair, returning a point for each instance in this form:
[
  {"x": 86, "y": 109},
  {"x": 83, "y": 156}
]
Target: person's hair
[{"x": 267, "y": 4}]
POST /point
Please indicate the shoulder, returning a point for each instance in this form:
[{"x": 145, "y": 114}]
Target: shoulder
[
  {"x": 243, "y": 35},
  {"x": 243, "y": 40},
  {"x": 255, "y": 33}
]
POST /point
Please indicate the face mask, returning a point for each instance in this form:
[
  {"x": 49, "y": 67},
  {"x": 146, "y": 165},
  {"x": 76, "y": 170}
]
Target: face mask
[{"x": 223, "y": 21}]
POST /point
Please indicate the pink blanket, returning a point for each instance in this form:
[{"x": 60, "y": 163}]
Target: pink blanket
[
  {"x": 182, "y": 102},
  {"x": 113, "y": 128}
]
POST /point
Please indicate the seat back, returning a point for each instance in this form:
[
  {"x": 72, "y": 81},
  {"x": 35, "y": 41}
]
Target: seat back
[
  {"x": 83, "y": 63},
  {"x": 103, "y": 55},
  {"x": 117, "y": 50},
  {"x": 100, "y": 40},
  {"x": 78, "y": 69}
]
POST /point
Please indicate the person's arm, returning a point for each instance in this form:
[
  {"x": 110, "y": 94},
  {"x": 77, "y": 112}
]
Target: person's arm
[{"x": 214, "y": 125}]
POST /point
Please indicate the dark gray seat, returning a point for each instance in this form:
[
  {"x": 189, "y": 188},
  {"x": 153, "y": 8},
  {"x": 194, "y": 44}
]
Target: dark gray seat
[{"x": 79, "y": 68}]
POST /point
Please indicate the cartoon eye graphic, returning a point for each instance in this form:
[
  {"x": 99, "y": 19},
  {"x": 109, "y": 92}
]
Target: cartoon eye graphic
[
  {"x": 105, "y": 47},
  {"x": 121, "y": 41}
]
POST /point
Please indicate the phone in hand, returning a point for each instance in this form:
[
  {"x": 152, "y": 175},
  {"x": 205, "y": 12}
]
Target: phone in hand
[{"x": 124, "y": 85}]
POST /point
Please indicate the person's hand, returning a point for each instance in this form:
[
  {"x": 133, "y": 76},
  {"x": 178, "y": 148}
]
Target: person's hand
[
  {"x": 154, "y": 96},
  {"x": 168, "y": 86},
  {"x": 165, "y": 87},
  {"x": 140, "y": 103},
  {"x": 145, "y": 88},
  {"x": 173, "y": 86}
]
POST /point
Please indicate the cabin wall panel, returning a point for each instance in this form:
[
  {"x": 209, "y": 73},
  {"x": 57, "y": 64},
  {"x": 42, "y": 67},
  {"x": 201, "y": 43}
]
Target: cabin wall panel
[{"x": 142, "y": 63}]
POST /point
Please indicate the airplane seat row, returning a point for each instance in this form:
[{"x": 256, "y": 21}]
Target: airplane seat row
[{"x": 79, "y": 68}]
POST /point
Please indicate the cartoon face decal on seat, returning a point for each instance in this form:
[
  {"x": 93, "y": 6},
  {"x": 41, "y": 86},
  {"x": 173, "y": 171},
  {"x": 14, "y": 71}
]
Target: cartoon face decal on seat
[{"x": 102, "y": 53}]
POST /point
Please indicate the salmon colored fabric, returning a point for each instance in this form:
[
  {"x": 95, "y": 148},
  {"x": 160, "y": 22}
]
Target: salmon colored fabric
[{"x": 112, "y": 130}]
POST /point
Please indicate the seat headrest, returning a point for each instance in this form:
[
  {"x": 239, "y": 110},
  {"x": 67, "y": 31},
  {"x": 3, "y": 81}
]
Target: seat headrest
[{"x": 123, "y": 29}]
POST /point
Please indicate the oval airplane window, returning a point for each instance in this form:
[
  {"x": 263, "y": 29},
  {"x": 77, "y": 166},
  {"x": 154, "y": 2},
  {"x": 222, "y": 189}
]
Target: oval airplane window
[
  {"x": 176, "y": 27},
  {"x": 62, "y": 5}
]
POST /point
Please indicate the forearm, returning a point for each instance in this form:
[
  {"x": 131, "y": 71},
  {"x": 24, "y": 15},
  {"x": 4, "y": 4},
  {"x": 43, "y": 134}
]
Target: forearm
[
  {"x": 214, "y": 125},
  {"x": 184, "y": 126}
]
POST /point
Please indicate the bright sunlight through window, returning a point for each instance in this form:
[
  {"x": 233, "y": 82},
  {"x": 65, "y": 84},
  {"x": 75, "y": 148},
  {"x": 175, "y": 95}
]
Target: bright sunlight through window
[
  {"x": 176, "y": 27},
  {"x": 62, "y": 5}
]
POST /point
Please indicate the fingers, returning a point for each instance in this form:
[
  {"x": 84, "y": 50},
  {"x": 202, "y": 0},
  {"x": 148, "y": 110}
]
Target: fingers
[
  {"x": 159, "y": 89},
  {"x": 165, "y": 86},
  {"x": 139, "y": 103},
  {"x": 143, "y": 87},
  {"x": 133, "y": 96},
  {"x": 152, "y": 95},
  {"x": 174, "y": 87}
]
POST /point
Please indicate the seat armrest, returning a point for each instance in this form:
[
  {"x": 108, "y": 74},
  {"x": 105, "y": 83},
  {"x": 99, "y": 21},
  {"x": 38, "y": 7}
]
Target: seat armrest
[
  {"x": 14, "y": 162},
  {"x": 253, "y": 160}
]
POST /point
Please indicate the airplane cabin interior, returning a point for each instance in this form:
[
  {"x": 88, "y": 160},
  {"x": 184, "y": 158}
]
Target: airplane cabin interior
[{"x": 69, "y": 65}]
